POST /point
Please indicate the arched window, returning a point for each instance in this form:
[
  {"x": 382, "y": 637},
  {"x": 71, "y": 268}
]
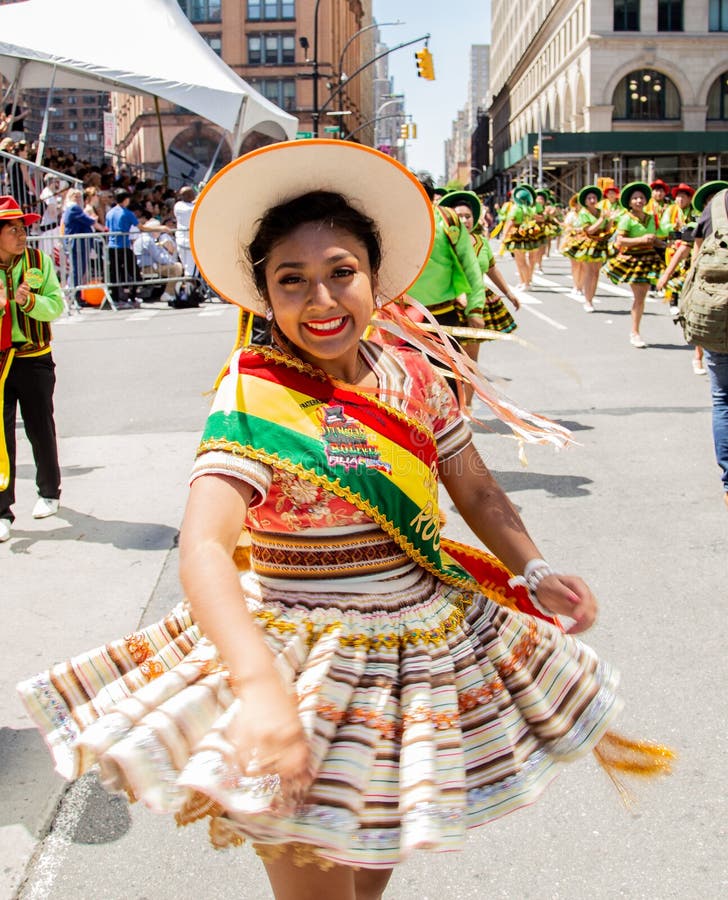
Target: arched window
[
  {"x": 718, "y": 98},
  {"x": 646, "y": 95}
]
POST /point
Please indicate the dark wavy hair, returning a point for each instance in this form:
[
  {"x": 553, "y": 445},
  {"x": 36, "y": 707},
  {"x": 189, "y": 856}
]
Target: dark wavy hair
[{"x": 326, "y": 207}]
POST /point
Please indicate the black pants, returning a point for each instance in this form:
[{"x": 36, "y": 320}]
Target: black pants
[
  {"x": 30, "y": 385},
  {"x": 123, "y": 270}
]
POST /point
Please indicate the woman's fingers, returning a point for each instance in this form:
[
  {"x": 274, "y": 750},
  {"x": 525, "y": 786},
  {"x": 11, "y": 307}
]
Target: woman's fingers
[{"x": 570, "y": 596}]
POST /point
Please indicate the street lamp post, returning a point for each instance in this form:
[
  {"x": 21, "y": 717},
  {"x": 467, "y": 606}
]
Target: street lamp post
[
  {"x": 316, "y": 75},
  {"x": 315, "y": 115},
  {"x": 340, "y": 71}
]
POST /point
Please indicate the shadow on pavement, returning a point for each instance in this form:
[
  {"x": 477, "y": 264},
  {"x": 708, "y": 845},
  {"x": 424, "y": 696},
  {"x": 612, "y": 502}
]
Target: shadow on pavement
[
  {"x": 498, "y": 427},
  {"x": 105, "y": 817},
  {"x": 553, "y": 485},
  {"x": 28, "y": 472},
  {"x": 30, "y": 787},
  {"x": 83, "y": 527},
  {"x": 31, "y": 791}
]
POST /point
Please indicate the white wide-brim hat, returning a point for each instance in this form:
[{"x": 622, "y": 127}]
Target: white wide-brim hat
[{"x": 228, "y": 211}]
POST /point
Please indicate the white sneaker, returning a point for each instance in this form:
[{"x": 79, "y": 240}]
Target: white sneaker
[
  {"x": 588, "y": 307},
  {"x": 4, "y": 530},
  {"x": 165, "y": 298},
  {"x": 44, "y": 507},
  {"x": 699, "y": 368},
  {"x": 637, "y": 341}
]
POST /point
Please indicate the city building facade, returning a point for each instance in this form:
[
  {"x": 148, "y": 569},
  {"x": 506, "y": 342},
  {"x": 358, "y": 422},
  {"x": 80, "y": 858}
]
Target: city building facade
[
  {"x": 460, "y": 163},
  {"x": 390, "y": 116},
  {"x": 629, "y": 89},
  {"x": 300, "y": 54}
]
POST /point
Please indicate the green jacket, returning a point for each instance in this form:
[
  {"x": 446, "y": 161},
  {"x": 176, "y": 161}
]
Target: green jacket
[
  {"x": 30, "y": 324},
  {"x": 452, "y": 269}
]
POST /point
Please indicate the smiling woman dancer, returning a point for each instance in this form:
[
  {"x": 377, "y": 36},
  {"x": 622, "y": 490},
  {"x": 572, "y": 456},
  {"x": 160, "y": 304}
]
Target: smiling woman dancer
[{"x": 357, "y": 693}]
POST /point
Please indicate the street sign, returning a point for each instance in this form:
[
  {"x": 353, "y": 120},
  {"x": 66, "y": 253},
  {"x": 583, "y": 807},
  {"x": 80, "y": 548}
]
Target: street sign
[
  {"x": 300, "y": 135},
  {"x": 332, "y": 129}
]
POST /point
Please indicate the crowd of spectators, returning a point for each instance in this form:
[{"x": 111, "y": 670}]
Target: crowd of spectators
[{"x": 64, "y": 211}]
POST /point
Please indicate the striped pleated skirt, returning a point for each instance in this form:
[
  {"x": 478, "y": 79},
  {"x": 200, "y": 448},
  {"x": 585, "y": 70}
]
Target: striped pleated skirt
[
  {"x": 571, "y": 244},
  {"x": 428, "y": 710},
  {"x": 496, "y": 315},
  {"x": 638, "y": 265},
  {"x": 594, "y": 250}
]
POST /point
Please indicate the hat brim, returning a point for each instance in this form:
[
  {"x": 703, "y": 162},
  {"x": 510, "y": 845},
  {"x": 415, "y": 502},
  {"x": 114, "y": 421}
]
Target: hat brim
[
  {"x": 228, "y": 211},
  {"x": 700, "y": 196},
  {"x": 25, "y": 218},
  {"x": 525, "y": 189},
  {"x": 464, "y": 198},
  {"x": 629, "y": 189},
  {"x": 590, "y": 189}
]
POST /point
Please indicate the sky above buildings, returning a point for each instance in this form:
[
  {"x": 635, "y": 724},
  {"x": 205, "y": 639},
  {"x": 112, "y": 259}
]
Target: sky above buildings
[{"x": 433, "y": 105}]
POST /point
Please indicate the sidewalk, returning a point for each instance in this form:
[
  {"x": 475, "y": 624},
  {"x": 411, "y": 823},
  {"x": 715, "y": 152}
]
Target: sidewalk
[{"x": 48, "y": 571}]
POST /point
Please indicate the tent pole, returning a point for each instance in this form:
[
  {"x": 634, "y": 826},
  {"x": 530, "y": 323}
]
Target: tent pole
[
  {"x": 46, "y": 115},
  {"x": 208, "y": 173},
  {"x": 161, "y": 143},
  {"x": 15, "y": 88}
]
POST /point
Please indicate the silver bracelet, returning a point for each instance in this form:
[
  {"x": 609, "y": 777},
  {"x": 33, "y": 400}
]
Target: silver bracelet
[{"x": 534, "y": 572}]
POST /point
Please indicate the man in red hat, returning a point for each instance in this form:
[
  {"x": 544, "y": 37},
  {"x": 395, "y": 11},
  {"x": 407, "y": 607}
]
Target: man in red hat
[{"x": 30, "y": 299}]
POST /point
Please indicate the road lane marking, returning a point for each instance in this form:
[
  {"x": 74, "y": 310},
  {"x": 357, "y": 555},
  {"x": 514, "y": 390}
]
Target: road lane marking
[
  {"x": 613, "y": 289},
  {"x": 543, "y": 316},
  {"x": 211, "y": 312}
]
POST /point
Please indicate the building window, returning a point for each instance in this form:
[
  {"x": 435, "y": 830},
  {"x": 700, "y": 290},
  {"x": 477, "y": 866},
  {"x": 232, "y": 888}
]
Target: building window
[
  {"x": 202, "y": 10},
  {"x": 718, "y": 18},
  {"x": 214, "y": 41},
  {"x": 271, "y": 49},
  {"x": 281, "y": 91},
  {"x": 646, "y": 95},
  {"x": 626, "y": 15},
  {"x": 271, "y": 10},
  {"x": 670, "y": 15},
  {"x": 718, "y": 99}
]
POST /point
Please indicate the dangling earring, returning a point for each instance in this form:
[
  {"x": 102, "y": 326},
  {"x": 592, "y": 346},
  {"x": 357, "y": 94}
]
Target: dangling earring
[
  {"x": 268, "y": 314},
  {"x": 378, "y": 303}
]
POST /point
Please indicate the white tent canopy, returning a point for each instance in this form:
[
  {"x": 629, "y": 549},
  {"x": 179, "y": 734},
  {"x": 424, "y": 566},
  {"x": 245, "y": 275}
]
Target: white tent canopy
[{"x": 136, "y": 47}]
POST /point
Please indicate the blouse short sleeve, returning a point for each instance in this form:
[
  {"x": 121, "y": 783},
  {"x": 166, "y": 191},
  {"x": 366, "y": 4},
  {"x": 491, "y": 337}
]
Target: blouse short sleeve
[
  {"x": 432, "y": 401},
  {"x": 224, "y": 453},
  {"x": 222, "y": 462}
]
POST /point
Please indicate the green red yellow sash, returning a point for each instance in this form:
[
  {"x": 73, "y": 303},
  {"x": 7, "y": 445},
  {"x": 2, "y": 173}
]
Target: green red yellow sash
[{"x": 273, "y": 408}]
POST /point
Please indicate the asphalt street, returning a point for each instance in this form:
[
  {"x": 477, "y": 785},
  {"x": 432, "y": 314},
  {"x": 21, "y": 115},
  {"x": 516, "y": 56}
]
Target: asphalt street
[{"x": 635, "y": 506}]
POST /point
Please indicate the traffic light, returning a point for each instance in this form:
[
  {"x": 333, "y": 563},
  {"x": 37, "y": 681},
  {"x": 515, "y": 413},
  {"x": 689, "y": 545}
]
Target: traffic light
[
  {"x": 536, "y": 151},
  {"x": 413, "y": 131},
  {"x": 404, "y": 131},
  {"x": 425, "y": 64}
]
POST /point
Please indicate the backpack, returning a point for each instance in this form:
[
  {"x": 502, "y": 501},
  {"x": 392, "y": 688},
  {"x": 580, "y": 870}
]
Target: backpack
[
  {"x": 187, "y": 294},
  {"x": 704, "y": 297}
]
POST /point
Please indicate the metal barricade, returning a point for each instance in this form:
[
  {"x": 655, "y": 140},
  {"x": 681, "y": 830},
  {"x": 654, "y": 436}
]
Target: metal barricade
[{"x": 92, "y": 272}]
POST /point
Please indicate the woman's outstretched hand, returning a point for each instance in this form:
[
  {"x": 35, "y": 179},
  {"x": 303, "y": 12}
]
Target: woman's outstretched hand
[{"x": 568, "y": 595}]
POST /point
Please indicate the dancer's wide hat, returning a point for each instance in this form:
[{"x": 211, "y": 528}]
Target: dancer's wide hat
[
  {"x": 705, "y": 191},
  {"x": 589, "y": 189},
  {"x": 228, "y": 211},
  {"x": 464, "y": 198},
  {"x": 630, "y": 188}
]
